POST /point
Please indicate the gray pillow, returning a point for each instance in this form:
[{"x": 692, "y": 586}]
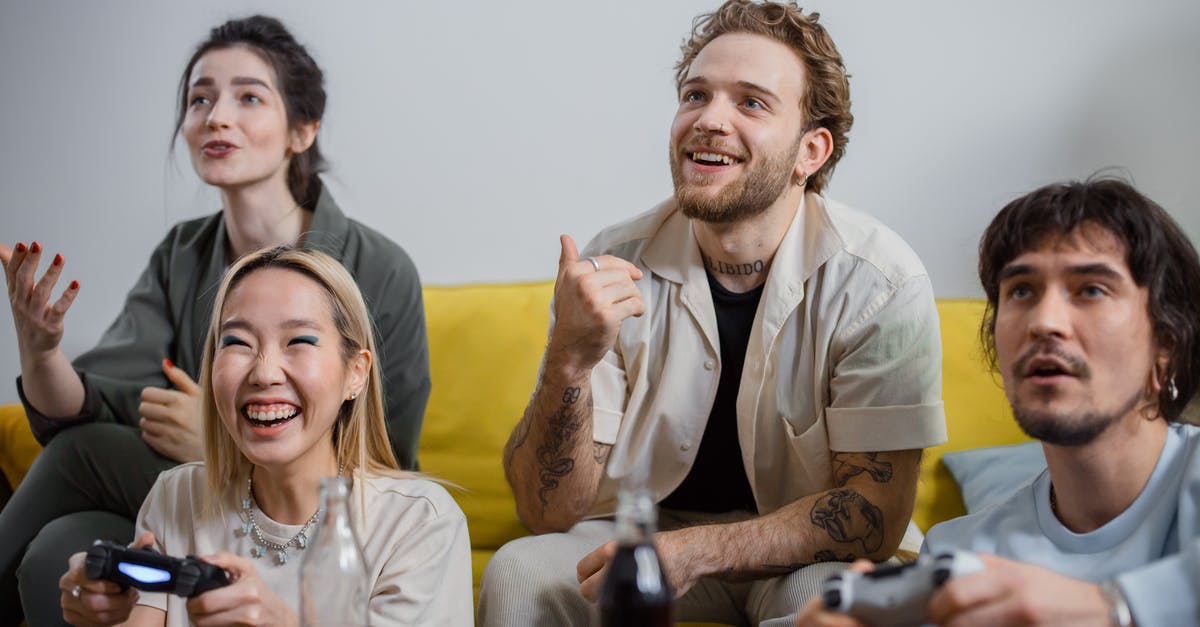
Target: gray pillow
[{"x": 989, "y": 475}]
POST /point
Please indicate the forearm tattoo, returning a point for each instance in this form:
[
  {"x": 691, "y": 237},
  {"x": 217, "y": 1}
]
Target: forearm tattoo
[
  {"x": 847, "y": 465},
  {"x": 600, "y": 452},
  {"x": 849, "y": 517},
  {"x": 555, "y": 455}
]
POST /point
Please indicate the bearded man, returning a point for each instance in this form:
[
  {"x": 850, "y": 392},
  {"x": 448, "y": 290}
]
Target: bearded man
[{"x": 764, "y": 360}]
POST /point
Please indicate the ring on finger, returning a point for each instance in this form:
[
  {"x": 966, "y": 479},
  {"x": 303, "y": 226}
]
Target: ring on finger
[
  {"x": 595, "y": 264},
  {"x": 77, "y": 591}
]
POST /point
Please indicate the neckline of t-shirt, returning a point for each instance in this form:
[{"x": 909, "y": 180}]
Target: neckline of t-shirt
[{"x": 1118, "y": 529}]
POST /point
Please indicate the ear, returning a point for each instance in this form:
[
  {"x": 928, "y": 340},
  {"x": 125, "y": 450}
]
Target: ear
[
  {"x": 815, "y": 147},
  {"x": 302, "y": 136},
  {"x": 358, "y": 373},
  {"x": 1158, "y": 374}
]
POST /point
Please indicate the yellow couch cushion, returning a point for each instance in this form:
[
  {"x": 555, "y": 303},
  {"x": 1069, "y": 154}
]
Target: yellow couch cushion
[
  {"x": 485, "y": 345},
  {"x": 977, "y": 412},
  {"x": 17, "y": 446}
]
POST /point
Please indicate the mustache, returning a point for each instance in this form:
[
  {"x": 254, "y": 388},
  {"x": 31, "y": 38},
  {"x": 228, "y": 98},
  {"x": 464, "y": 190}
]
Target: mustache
[{"x": 1051, "y": 348}]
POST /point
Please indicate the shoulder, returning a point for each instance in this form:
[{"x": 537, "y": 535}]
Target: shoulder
[
  {"x": 178, "y": 489},
  {"x": 626, "y": 239},
  {"x": 980, "y": 531},
  {"x": 867, "y": 241},
  {"x": 413, "y": 499}
]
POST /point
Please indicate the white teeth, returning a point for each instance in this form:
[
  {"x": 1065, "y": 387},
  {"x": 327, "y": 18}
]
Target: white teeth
[{"x": 712, "y": 157}]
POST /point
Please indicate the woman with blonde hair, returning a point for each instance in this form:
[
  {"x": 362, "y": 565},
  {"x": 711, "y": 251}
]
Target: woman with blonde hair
[{"x": 291, "y": 393}]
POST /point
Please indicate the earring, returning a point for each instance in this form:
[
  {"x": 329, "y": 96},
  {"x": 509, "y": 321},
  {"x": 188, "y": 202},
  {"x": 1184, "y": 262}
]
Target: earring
[
  {"x": 803, "y": 180},
  {"x": 353, "y": 395},
  {"x": 1172, "y": 391}
]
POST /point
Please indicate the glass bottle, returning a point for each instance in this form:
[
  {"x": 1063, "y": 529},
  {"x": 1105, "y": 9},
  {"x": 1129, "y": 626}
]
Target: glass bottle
[
  {"x": 333, "y": 574},
  {"x": 635, "y": 593}
]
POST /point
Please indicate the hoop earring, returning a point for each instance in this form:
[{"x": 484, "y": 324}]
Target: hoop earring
[{"x": 803, "y": 180}]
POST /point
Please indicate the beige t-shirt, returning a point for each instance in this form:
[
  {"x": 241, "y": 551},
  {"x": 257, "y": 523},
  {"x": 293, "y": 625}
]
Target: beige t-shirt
[
  {"x": 415, "y": 543},
  {"x": 844, "y": 355}
]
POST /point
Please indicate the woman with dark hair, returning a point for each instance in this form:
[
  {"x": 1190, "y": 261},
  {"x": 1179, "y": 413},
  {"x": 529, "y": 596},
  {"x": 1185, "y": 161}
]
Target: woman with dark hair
[{"x": 251, "y": 102}]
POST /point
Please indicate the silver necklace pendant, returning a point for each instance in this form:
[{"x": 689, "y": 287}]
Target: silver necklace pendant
[
  {"x": 281, "y": 557},
  {"x": 256, "y": 551}
]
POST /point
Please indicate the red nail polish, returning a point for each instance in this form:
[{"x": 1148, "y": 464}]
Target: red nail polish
[
  {"x": 58, "y": 260},
  {"x": 74, "y": 285},
  {"x": 20, "y": 247},
  {"x": 167, "y": 363},
  {"x": 35, "y": 248}
]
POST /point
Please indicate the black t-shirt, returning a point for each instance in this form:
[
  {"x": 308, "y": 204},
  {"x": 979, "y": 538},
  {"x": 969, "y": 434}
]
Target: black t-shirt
[{"x": 717, "y": 481}]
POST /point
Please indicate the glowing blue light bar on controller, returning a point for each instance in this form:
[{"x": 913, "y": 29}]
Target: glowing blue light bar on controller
[{"x": 144, "y": 574}]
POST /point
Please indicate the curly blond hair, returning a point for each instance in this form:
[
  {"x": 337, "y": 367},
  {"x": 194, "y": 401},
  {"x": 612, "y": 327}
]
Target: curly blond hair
[{"x": 826, "y": 98}]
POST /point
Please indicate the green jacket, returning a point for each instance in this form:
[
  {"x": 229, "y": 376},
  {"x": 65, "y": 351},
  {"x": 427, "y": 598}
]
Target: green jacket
[{"x": 167, "y": 313}]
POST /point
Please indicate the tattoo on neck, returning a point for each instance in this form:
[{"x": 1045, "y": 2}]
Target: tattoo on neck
[
  {"x": 736, "y": 269},
  {"x": 554, "y": 455}
]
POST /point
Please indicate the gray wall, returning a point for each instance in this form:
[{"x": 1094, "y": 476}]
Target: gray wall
[{"x": 474, "y": 132}]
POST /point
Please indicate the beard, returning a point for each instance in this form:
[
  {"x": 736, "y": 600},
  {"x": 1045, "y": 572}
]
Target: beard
[
  {"x": 1069, "y": 430},
  {"x": 746, "y": 197}
]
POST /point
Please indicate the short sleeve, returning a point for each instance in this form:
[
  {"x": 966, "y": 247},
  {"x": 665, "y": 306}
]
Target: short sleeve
[
  {"x": 887, "y": 383},
  {"x": 426, "y": 579}
]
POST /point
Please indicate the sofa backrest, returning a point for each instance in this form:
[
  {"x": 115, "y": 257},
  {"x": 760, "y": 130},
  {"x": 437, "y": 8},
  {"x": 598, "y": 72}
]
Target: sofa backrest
[{"x": 486, "y": 343}]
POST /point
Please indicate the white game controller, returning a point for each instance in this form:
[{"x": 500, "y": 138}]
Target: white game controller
[{"x": 896, "y": 596}]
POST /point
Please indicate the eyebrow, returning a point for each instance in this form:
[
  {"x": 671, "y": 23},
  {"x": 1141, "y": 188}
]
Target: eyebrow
[
  {"x": 294, "y": 323},
  {"x": 743, "y": 84},
  {"x": 1085, "y": 269},
  {"x": 207, "y": 81}
]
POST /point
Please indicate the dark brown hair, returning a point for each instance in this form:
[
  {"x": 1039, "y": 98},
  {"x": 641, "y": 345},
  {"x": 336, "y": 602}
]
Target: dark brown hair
[
  {"x": 1160, "y": 258},
  {"x": 300, "y": 82},
  {"x": 826, "y": 98}
]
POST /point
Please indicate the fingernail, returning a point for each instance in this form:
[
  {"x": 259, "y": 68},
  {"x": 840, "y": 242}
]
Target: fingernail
[
  {"x": 167, "y": 363},
  {"x": 57, "y": 259},
  {"x": 20, "y": 247},
  {"x": 35, "y": 248},
  {"x": 74, "y": 285}
]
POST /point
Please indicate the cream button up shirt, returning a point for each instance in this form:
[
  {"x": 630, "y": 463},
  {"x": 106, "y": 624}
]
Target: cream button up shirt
[{"x": 845, "y": 355}]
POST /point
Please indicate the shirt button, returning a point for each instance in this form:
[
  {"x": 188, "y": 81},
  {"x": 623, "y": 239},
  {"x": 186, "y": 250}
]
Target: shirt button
[
  {"x": 687, "y": 444},
  {"x": 710, "y": 364}
]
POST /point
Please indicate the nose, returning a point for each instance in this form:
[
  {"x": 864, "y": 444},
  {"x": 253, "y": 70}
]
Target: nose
[
  {"x": 713, "y": 119},
  {"x": 1051, "y": 316},
  {"x": 267, "y": 370},
  {"x": 219, "y": 113}
]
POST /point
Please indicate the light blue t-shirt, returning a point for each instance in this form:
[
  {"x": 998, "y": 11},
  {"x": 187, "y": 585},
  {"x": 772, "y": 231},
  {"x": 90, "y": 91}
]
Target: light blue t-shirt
[{"x": 1152, "y": 548}]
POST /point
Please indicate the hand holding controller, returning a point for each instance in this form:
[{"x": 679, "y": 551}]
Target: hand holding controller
[
  {"x": 896, "y": 596},
  {"x": 146, "y": 569}
]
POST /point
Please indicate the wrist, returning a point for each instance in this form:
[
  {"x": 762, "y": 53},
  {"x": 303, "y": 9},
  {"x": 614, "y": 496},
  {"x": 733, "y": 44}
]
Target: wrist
[
  {"x": 561, "y": 362},
  {"x": 1119, "y": 614}
]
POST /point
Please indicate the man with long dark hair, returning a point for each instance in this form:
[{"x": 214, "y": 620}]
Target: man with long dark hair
[{"x": 1093, "y": 323}]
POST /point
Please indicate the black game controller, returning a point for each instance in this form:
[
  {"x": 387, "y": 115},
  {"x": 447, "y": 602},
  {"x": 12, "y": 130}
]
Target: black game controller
[
  {"x": 896, "y": 596},
  {"x": 149, "y": 570}
]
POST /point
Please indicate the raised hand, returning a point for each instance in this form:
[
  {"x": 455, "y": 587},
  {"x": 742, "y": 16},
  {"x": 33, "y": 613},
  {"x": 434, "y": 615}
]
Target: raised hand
[
  {"x": 88, "y": 602},
  {"x": 170, "y": 421},
  {"x": 247, "y": 601},
  {"x": 39, "y": 323},
  {"x": 591, "y": 299}
]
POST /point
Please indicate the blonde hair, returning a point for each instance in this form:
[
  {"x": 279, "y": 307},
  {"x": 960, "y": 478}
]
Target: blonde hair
[
  {"x": 826, "y": 98},
  {"x": 360, "y": 433}
]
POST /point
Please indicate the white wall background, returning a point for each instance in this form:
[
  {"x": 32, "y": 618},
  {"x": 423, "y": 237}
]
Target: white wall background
[{"x": 474, "y": 132}]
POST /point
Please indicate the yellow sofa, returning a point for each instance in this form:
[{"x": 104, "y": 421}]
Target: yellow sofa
[{"x": 486, "y": 343}]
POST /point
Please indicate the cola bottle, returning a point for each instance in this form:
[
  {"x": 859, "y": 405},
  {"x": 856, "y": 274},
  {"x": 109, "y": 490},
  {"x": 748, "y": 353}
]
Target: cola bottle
[
  {"x": 635, "y": 593},
  {"x": 334, "y": 589}
]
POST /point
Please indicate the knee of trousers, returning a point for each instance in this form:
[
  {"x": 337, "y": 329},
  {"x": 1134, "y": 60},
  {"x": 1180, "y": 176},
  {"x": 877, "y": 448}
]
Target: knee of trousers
[
  {"x": 70, "y": 534},
  {"x": 85, "y": 446},
  {"x": 533, "y": 567}
]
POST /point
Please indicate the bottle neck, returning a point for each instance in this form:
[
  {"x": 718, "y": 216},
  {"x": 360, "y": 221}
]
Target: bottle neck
[
  {"x": 335, "y": 502},
  {"x": 636, "y": 517}
]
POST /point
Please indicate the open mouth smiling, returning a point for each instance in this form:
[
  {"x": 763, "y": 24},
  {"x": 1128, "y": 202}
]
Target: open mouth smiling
[
  {"x": 713, "y": 158},
  {"x": 269, "y": 415}
]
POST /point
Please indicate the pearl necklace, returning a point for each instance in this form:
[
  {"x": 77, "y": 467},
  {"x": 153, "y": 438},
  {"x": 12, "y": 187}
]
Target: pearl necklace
[{"x": 262, "y": 545}]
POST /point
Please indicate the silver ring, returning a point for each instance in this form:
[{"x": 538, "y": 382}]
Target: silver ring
[
  {"x": 595, "y": 264},
  {"x": 76, "y": 591}
]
